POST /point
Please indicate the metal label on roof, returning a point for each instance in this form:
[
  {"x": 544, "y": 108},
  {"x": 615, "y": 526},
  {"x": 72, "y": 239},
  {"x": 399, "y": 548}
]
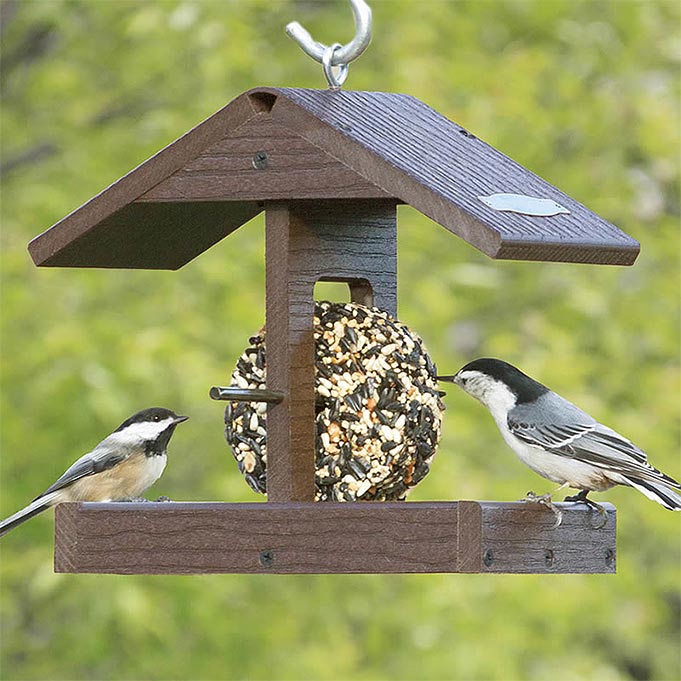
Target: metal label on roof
[{"x": 525, "y": 205}]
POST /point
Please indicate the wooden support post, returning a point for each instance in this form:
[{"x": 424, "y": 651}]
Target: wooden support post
[
  {"x": 335, "y": 240},
  {"x": 366, "y": 537}
]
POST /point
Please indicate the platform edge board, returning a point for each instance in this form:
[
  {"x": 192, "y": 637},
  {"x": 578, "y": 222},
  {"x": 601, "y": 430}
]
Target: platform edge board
[{"x": 317, "y": 538}]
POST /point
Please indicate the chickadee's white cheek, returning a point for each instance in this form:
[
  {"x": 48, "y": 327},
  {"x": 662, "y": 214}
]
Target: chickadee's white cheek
[{"x": 148, "y": 430}]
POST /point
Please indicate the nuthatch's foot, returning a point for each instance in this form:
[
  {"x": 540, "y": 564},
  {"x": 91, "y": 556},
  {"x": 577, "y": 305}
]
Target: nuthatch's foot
[
  {"x": 582, "y": 498},
  {"x": 545, "y": 500},
  {"x": 163, "y": 498}
]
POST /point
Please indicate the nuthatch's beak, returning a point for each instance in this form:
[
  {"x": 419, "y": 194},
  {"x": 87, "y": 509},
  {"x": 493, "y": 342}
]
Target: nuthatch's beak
[{"x": 179, "y": 419}]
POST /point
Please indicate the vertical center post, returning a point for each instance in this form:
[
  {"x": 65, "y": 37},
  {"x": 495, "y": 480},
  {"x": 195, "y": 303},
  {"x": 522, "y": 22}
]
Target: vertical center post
[{"x": 332, "y": 240}]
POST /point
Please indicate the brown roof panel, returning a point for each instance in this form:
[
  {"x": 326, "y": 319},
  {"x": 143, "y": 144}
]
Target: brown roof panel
[
  {"x": 289, "y": 144},
  {"x": 431, "y": 163}
]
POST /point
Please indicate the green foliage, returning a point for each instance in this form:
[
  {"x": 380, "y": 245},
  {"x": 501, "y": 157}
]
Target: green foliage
[{"x": 586, "y": 94}]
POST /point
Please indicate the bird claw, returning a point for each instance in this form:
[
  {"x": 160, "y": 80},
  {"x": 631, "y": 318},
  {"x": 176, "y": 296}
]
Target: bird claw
[
  {"x": 163, "y": 498},
  {"x": 545, "y": 500},
  {"x": 581, "y": 497}
]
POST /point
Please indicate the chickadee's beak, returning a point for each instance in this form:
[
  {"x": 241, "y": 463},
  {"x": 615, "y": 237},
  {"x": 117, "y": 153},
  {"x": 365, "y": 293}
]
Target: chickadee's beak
[{"x": 179, "y": 419}]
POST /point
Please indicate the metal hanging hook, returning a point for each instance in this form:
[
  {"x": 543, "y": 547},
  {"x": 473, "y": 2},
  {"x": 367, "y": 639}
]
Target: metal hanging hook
[
  {"x": 336, "y": 54},
  {"x": 334, "y": 78}
]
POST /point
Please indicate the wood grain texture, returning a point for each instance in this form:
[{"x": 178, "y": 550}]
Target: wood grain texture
[
  {"x": 321, "y": 144},
  {"x": 429, "y": 162},
  {"x": 518, "y": 538},
  {"x": 290, "y": 362},
  {"x": 469, "y": 536},
  {"x": 293, "y": 168},
  {"x": 351, "y": 241},
  {"x": 46, "y": 249},
  {"x": 365, "y": 537}
]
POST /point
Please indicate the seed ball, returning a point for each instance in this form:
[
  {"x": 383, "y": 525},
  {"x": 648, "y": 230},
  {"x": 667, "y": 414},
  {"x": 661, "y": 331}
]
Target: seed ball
[{"x": 378, "y": 409}]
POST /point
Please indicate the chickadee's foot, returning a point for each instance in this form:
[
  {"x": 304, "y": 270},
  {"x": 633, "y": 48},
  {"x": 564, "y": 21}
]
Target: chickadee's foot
[
  {"x": 538, "y": 498},
  {"x": 582, "y": 498},
  {"x": 545, "y": 500},
  {"x": 163, "y": 498}
]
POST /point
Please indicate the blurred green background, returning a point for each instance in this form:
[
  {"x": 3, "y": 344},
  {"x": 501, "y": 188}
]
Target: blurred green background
[{"x": 585, "y": 94}]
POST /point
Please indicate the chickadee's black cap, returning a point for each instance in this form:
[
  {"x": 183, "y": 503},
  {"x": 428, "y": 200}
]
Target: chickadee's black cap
[{"x": 151, "y": 414}]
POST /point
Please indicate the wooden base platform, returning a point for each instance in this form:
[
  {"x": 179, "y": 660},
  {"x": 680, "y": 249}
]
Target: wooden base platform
[{"x": 368, "y": 537}]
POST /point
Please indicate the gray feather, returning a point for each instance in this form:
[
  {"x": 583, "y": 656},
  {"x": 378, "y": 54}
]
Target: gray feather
[
  {"x": 562, "y": 428},
  {"x": 104, "y": 456}
]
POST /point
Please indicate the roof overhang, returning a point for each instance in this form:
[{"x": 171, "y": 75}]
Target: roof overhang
[{"x": 273, "y": 144}]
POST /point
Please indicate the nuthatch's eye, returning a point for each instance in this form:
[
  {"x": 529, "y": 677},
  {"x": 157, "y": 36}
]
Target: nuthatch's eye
[{"x": 156, "y": 417}]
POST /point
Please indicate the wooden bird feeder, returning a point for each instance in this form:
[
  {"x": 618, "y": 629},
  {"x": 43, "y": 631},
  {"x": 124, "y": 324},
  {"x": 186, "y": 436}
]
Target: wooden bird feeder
[{"x": 329, "y": 168}]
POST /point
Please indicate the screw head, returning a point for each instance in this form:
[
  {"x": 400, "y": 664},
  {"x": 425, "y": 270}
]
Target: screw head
[
  {"x": 488, "y": 558},
  {"x": 266, "y": 558},
  {"x": 549, "y": 558},
  {"x": 260, "y": 160},
  {"x": 609, "y": 557}
]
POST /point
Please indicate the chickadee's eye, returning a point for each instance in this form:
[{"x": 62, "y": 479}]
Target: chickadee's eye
[{"x": 157, "y": 417}]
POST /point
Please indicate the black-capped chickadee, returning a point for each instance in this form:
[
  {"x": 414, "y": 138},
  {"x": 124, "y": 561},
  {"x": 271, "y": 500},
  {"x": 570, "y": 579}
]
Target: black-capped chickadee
[
  {"x": 557, "y": 439},
  {"x": 121, "y": 466}
]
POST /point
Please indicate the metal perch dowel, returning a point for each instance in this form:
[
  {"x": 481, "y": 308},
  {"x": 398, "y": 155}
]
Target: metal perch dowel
[
  {"x": 232, "y": 394},
  {"x": 245, "y": 395}
]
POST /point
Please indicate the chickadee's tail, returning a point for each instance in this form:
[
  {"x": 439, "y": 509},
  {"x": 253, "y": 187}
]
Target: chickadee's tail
[
  {"x": 38, "y": 506},
  {"x": 657, "y": 491}
]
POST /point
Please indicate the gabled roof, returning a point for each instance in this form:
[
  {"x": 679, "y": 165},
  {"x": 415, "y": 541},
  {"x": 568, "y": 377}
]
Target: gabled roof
[{"x": 282, "y": 144}]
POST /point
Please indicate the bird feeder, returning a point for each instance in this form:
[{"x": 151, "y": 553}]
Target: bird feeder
[{"x": 328, "y": 168}]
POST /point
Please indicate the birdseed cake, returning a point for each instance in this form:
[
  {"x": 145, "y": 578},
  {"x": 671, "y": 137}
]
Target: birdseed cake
[{"x": 378, "y": 409}]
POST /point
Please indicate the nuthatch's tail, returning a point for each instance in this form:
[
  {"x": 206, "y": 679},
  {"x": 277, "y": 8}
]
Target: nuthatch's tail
[
  {"x": 657, "y": 491},
  {"x": 39, "y": 505}
]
